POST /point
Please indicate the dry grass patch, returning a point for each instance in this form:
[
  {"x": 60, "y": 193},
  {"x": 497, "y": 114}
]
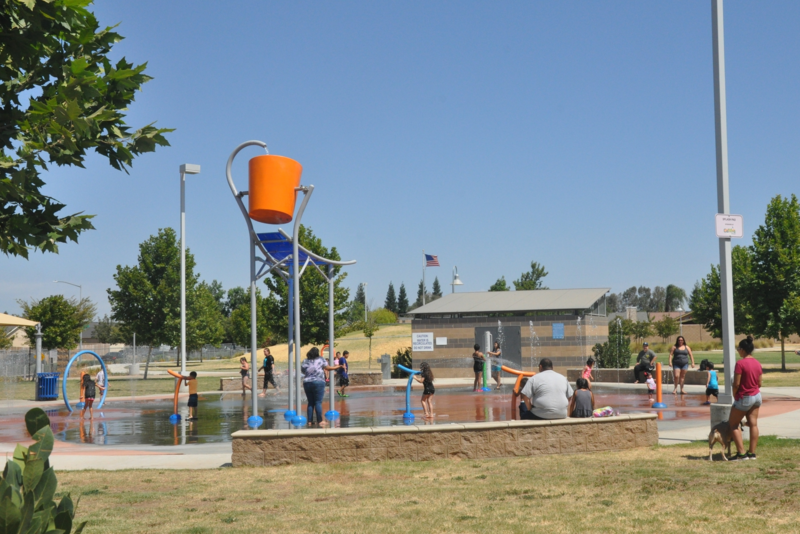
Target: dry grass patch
[{"x": 664, "y": 489}]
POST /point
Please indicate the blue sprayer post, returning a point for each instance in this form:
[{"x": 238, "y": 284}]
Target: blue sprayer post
[{"x": 411, "y": 373}]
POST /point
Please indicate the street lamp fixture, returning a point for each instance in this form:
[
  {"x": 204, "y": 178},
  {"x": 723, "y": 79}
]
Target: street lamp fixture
[
  {"x": 456, "y": 281},
  {"x": 186, "y": 168},
  {"x": 80, "y": 292}
]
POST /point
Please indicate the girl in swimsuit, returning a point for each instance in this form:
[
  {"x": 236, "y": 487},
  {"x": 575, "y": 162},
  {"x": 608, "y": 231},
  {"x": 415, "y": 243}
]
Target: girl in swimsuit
[
  {"x": 244, "y": 370},
  {"x": 425, "y": 377}
]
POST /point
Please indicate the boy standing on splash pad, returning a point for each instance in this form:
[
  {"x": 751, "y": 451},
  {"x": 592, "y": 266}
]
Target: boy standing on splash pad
[
  {"x": 192, "y": 383},
  {"x": 342, "y": 377}
]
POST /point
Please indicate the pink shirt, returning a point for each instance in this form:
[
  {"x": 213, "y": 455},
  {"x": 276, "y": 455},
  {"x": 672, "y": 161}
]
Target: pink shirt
[
  {"x": 587, "y": 373},
  {"x": 751, "y": 371}
]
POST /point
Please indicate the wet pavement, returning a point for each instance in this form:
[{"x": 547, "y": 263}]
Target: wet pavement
[{"x": 145, "y": 422}]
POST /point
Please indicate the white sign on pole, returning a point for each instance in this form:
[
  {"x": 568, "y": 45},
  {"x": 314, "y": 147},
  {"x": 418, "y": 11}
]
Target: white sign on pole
[
  {"x": 729, "y": 225},
  {"x": 422, "y": 342},
  {"x": 441, "y": 341}
]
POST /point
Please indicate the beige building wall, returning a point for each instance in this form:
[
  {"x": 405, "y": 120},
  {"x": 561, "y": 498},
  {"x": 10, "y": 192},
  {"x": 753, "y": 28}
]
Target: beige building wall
[{"x": 454, "y": 360}]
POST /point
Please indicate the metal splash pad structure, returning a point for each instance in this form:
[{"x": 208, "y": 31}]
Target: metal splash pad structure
[{"x": 274, "y": 182}]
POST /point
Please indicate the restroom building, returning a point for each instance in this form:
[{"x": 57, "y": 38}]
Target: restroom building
[{"x": 560, "y": 324}]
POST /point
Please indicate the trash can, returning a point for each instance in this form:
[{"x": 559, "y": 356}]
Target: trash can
[
  {"x": 386, "y": 366},
  {"x": 46, "y": 386}
]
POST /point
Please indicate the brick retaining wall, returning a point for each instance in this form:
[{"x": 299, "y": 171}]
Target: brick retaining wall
[{"x": 256, "y": 448}]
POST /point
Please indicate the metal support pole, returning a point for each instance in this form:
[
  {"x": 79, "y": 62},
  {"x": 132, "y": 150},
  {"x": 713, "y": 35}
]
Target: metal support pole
[
  {"x": 424, "y": 264},
  {"x": 723, "y": 198},
  {"x": 331, "y": 414},
  {"x": 183, "y": 273},
  {"x": 38, "y": 336},
  {"x": 254, "y": 420},
  {"x": 298, "y": 419},
  {"x": 290, "y": 344}
]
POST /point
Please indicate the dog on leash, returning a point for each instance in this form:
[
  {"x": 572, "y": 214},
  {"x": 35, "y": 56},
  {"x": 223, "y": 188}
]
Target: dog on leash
[{"x": 722, "y": 434}]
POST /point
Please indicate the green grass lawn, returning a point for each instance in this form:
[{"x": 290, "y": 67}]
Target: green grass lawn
[
  {"x": 658, "y": 489},
  {"x": 118, "y": 387}
]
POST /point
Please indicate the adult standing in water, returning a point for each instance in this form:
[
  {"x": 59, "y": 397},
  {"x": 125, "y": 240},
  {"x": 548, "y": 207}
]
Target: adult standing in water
[
  {"x": 477, "y": 366},
  {"x": 496, "y": 353},
  {"x": 313, "y": 370},
  {"x": 746, "y": 398},
  {"x": 679, "y": 356}
]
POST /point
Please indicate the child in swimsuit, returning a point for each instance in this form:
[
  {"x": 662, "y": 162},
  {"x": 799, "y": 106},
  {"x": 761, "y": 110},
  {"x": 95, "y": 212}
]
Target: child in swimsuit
[
  {"x": 425, "y": 377},
  {"x": 587, "y": 371}
]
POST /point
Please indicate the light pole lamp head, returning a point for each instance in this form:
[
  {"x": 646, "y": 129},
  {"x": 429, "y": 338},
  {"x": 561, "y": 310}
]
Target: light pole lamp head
[{"x": 190, "y": 168}]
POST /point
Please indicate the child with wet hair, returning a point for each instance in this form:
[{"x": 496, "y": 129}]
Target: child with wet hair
[
  {"x": 425, "y": 377},
  {"x": 582, "y": 402}
]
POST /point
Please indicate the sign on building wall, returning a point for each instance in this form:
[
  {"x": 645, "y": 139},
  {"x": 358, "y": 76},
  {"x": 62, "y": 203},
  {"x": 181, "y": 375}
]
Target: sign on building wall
[
  {"x": 422, "y": 342},
  {"x": 441, "y": 341},
  {"x": 558, "y": 330}
]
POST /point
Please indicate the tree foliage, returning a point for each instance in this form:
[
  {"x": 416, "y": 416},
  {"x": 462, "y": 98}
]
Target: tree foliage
[
  {"x": 147, "y": 299},
  {"x": 437, "y": 289},
  {"x": 500, "y": 285},
  {"x": 705, "y": 300},
  {"x": 204, "y": 320},
  {"x": 616, "y": 352},
  {"x": 62, "y": 320},
  {"x": 390, "y": 303},
  {"x": 313, "y": 296},
  {"x": 641, "y": 330},
  {"x": 774, "y": 292},
  {"x": 402, "y": 301},
  {"x": 531, "y": 279},
  {"x": 60, "y": 97},
  {"x": 107, "y": 331},
  {"x": 5, "y": 340},
  {"x": 674, "y": 298},
  {"x": 666, "y": 327},
  {"x": 361, "y": 296},
  {"x": 240, "y": 324}
]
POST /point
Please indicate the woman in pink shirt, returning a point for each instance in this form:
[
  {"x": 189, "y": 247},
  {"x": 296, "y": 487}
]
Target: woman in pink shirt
[{"x": 746, "y": 398}]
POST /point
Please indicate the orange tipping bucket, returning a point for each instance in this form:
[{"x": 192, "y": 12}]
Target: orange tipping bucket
[{"x": 272, "y": 194}]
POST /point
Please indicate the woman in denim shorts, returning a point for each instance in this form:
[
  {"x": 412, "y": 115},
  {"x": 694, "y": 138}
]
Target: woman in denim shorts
[{"x": 747, "y": 398}]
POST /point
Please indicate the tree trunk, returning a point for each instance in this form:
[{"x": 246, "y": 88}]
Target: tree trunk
[
  {"x": 201, "y": 354},
  {"x": 783, "y": 354},
  {"x": 369, "y": 366},
  {"x": 147, "y": 364},
  {"x": 178, "y": 358}
]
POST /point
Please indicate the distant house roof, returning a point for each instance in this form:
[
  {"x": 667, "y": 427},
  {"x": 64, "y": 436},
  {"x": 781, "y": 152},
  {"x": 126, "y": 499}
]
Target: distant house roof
[{"x": 513, "y": 301}]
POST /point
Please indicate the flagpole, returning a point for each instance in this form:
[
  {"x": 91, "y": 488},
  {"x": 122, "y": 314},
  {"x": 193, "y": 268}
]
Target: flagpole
[{"x": 423, "y": 277}]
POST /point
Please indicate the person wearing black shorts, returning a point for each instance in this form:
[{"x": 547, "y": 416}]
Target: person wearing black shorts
[
  {"x": 477, "y": 366},
  {"x": 425, "y": 376},
  {"x": 269, "y": 369}
]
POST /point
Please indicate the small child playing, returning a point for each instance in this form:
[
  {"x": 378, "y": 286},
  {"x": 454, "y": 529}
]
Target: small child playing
[
  {"x": 425, "y": 377},
  {"x": 342, "y": 378},
  {"x": 89, "y": 393},
  {"x": 651, "y": 386},
  {"x": 712, "y": 385},
  {"x": 587, "y": 371},
  {"x": 192, "y": 383},
  {"x": 582, "y": 402}
]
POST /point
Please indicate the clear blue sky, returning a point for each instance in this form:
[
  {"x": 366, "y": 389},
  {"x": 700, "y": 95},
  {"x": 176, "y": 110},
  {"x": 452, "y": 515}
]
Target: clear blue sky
[{"x": 576, "y": 134}]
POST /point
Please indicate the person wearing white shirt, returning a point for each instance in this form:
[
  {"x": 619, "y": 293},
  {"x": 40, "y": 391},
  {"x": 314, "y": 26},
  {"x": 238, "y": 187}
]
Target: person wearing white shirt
[{"x": 547, "y": 393}]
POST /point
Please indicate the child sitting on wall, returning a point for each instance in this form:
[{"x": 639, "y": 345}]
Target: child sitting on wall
[
  {"x": 524, "y": 413},
  {"x": 582, "y": 402}
]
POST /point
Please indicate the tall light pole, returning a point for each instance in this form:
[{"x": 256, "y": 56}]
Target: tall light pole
[
  {"x": 680, "y": 317},
  {"x": 80, "y": 292},
  {"x": 186, "y": 168},
  {"x": 723, "y": 196}
]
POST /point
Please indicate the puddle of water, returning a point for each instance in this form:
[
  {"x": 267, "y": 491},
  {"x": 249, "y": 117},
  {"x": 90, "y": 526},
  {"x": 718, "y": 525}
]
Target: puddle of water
[{"x": 135, "y": 423}]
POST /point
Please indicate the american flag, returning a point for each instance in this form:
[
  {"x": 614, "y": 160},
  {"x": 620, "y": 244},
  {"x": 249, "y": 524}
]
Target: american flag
[{"x": 431, "y": 261}]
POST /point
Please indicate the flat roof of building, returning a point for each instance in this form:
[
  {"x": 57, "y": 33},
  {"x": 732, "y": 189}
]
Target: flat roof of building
[{"x": 513, "y": 301}]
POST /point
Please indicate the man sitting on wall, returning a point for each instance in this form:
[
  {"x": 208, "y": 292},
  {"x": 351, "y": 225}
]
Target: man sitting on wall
[
  {"x": 644, "y": 361},
  {"x": 547, "y": 394}
]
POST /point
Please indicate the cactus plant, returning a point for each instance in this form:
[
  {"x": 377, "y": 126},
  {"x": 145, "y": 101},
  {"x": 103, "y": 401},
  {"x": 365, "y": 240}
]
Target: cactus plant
[{"x": 28, "y": 486}]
